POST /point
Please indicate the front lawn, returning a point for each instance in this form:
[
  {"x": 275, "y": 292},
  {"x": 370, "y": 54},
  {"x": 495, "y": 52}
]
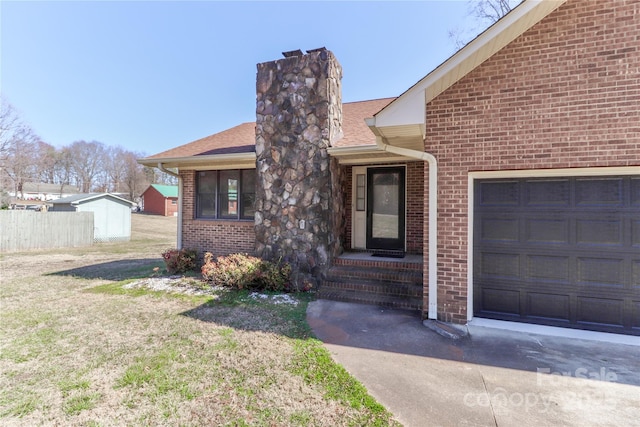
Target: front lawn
[{"x": 81, "y": 346}]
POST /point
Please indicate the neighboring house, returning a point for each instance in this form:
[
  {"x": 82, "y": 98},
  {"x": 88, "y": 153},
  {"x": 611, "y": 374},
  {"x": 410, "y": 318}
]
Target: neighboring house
[
  {"x": 44, "y": 192},
  {"x": 161, "y": 200},
  {"x": 512, "y": 171},
  {"x": 111, "y": 214}
]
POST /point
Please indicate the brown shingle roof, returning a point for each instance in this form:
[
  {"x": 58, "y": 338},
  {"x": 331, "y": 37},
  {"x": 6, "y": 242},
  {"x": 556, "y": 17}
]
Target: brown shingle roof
[
  {"x": 238, "y": 139},
  {"x": 354, "y": 128},
  {"x": 241, "y": 138}
]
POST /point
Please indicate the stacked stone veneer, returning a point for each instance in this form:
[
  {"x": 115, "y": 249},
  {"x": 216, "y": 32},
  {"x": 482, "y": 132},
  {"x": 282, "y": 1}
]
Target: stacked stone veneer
[{"x": 299, "y": 199}]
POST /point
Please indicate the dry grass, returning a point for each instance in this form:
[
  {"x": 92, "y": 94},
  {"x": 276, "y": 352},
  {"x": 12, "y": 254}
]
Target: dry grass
[{"x": 76, "y": 350}]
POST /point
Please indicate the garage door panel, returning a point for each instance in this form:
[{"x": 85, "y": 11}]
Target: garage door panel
[
  {"x": 502, "y": 193},
  {"x": 547, "y": 267},
  {"x": 559, "y": 251},
  {"x": 635, "y": 191},
  {"x": 499, "y": 229},
  {"x": 547, "y": 193},
  {"x": 547, "y": 230},
  {"x": 548, "y": 306},
  {"x": 603, "y": 232},
  {"x": 501, "y": 301},
  {"x": 599, "y": 191},
  {"x": 500, "y": 265},
  {"x": 635, "y": 233},
  {"x": 635, "y": 315},
  {"x": 600, "y": 311},
  {"x": 600, "y": 271},
  {"x": 635, "y": 274}
]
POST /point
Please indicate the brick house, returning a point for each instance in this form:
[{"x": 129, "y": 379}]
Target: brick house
[
  {"x": 160, "y": 200},
  {"x": 508, "y": 177}
]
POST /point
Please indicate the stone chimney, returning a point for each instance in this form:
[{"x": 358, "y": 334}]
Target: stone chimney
[{"x": 299, "y": 199}]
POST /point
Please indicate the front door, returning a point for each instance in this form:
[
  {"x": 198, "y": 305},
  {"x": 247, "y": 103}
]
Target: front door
[{"x": 385, "y": 208}]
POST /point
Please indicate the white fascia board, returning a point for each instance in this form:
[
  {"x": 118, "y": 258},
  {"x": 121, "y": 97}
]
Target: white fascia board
[{"x": 354, "y": 150}]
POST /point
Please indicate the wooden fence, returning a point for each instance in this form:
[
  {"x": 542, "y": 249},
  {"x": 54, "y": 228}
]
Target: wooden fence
[{"x": 24, "y": 230}]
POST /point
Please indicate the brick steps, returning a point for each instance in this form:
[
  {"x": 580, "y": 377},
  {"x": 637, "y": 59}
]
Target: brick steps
[
  {"x": 376, "y": 274},
  {"x": 378, "y": 263},
  {"x": 391, "y": 284}
]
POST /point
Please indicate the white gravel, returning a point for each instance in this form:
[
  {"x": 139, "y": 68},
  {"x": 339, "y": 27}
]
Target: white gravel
[{"x": 191, "y": 286}]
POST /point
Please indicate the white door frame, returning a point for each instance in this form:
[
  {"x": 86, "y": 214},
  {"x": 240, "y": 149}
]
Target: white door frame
[
  {"x": 358, "y": 218},
  {"x": 363, "y": 170}
]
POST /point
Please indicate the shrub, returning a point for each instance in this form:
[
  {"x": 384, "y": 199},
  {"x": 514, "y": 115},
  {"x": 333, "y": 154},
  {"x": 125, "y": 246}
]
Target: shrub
[
  {"x": 243, "y": 271},
  {"x": 180, "y": 260}
]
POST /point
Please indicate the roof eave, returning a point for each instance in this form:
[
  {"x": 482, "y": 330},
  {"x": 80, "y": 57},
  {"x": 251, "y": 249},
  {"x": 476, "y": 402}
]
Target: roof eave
[
  {"x": 364, "y": 155},
  {"x": 220, "y": 161}
]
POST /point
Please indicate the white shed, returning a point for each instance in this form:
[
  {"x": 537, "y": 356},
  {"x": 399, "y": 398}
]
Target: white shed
[{"x": 111, "y": 214}]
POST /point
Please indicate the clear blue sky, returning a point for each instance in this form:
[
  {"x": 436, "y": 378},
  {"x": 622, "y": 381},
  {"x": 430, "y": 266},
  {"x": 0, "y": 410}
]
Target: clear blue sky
[{"x": 152, "y": 75}]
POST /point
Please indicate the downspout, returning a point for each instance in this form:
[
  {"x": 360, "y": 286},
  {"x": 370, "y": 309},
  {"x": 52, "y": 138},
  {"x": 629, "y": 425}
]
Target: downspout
[
  {"x": 433, "y": 216},
  {"x": 172, "y": 173}
]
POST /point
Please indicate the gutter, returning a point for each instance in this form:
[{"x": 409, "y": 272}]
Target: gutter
[
  {"x": 433, "y": 210},
  {"x": 172, "y": 173}
]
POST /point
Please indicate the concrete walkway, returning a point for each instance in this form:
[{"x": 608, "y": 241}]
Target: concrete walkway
[{"x": 488, "y": 378}]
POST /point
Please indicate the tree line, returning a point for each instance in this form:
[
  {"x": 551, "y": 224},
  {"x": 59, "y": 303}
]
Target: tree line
[{"x": 91, "y": 166}]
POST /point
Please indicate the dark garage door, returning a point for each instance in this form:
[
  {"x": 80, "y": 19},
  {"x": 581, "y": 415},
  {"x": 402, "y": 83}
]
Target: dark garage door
[{"x": 559, "y": 251}]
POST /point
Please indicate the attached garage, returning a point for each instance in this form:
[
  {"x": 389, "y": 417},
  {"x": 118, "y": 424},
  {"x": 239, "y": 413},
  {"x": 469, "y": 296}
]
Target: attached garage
[{"x": 560, "y": 251}]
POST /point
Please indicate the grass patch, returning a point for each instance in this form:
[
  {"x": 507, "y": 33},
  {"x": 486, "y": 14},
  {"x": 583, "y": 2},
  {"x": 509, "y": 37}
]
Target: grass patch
[
  {"x": 31, "y": 345},
  {"x": 76, "y": 404},
  {"x": 27, "y": 319},
  {"x": 161, "y": 373},
  {"x": 290, "y": 317},
  {"x": 19, "y": 404},
  {"x": 313, "y": 362},
  {"x": 69, "y": 385}
]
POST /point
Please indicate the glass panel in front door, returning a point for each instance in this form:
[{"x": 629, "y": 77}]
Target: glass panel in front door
[{"x": 385, "y": 216}]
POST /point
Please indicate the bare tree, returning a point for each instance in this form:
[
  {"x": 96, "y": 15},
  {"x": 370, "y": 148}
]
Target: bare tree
[
  {"x": 136, "y": 176},
  {"x": 19, "y": 165},
  {"x": 87, "y": 161},
  {"x": 63, "y": 168},
  {"x": 490, "y": 11},
  {"x": 484, "y": 13},
  {"x": 10, "y": 127},
  {"x": 16, "y": 146},
  {"x": 45, "y": 162},
  {"x": 116, "y": 166}
]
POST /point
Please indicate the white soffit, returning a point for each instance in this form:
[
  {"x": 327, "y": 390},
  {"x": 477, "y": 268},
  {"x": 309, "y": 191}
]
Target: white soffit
[
  {"x": 366, "y": 154},
  {"x": 408, "y": 110},
  {"x": 213, "y": 162}
]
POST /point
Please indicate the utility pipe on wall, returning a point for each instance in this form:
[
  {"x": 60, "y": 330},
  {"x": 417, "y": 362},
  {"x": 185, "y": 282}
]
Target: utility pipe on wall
[
  {"x": 433, "y": 216},
  {"x": 177, "y": 175}
]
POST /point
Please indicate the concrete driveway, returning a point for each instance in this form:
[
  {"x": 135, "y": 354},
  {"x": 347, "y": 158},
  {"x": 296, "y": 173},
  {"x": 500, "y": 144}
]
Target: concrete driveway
[{"x": 490, "y": 377}]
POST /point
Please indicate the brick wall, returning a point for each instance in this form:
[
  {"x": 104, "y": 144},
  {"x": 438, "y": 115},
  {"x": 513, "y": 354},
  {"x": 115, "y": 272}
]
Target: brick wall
[
  {"x": 221, "y": 237},
  {"x": 414, "y": 206},
  {"x": 171, "y": 206},
  {"x": 153, "y": 201},
  {"x": 562, "y": 95}
]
